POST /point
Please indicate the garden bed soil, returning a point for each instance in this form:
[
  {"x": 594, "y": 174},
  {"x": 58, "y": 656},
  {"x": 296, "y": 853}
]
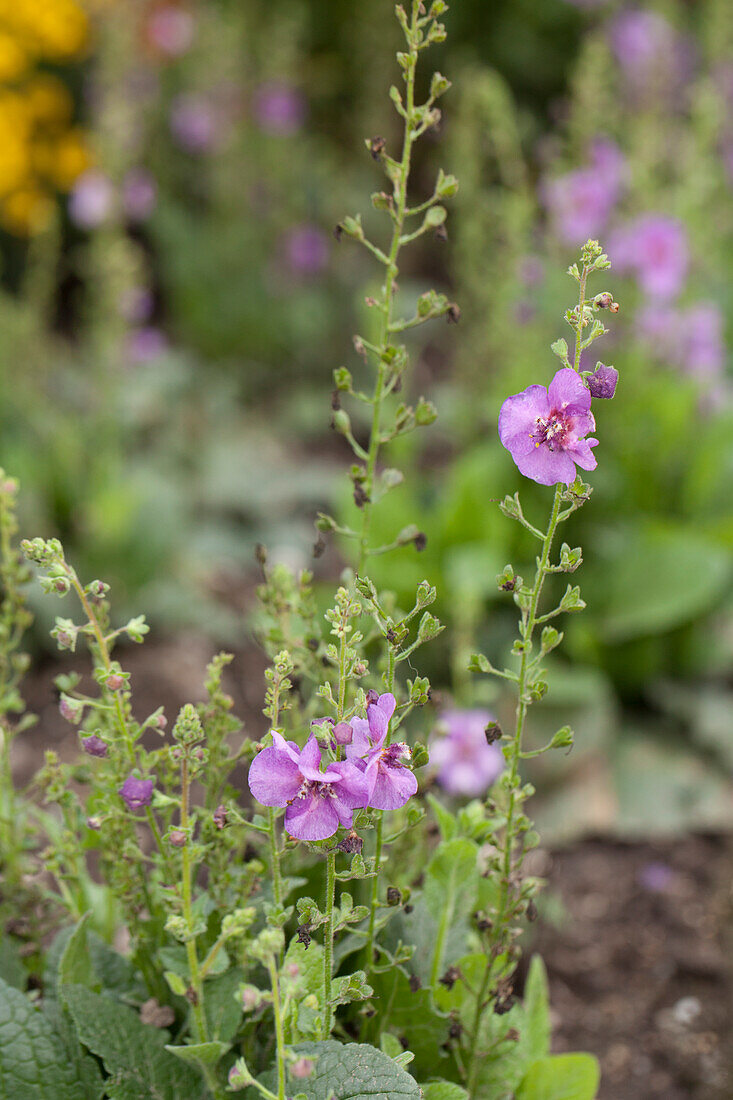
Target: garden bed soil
[{"x": 637, "y": 937}]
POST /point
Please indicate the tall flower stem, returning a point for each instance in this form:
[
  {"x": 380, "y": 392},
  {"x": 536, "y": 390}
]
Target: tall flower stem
[
  {"x": 379, "y": 830},
  {"x": 277, "y": 882},
  {"x": 388, "y": 291},
  {"x": 279, "y": 1034},
  {"x": 527, "y": 626},
  {"x": 328, "y": 945}
]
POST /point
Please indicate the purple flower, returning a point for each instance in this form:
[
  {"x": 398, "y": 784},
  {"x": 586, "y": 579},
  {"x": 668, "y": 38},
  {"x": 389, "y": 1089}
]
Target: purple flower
[
  {"x": 580, "y": 202},
  {"x": 194, "y": 123},
  {"x": 170, "y": 30},
  {"x": 136, "y": 304},
  {"x": 656, "y": 877},
  {"x": 306, "y": 249},
  {"x": 690, "y": 339},
  {"x": 390, "y": 783},
  {"x": 139, "y": 194},
  {"x": 650, "y": 52},
  {"x": 661, "y": 254},
  {"x": 279, "y": 108},
  {"x": 466, "y": 763},
  {"x": 544, "y": 430},
  {"x": 91, "y": 200},
  {"x": 316, "y": 801},
  {"x": 136, "y": 793},
  {"x": 147, "y": 344},
  {"x": 602, "y": 383},
  {"x": 95, "y": 746}
]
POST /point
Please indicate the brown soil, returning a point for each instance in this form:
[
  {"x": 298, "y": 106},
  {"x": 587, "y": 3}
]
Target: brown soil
[{"x": 636, "y": 937}]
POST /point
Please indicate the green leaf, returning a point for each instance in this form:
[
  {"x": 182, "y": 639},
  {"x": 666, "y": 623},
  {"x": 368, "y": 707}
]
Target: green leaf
[
  {"x": 439, "y": 923},
  {"x": 656, "y": 578},
  {"x": 223, "y": 1012},
  {"x": 34, "y": 1064},
  {"x": 355, "y": 1071},
  {"x": 446, "y": 822},
  {"x": 199, "y": 1054},
  {"x": 413, "y": 1018},
  {"x": 75, "y": 965},
  {"x": 535, "y": 1035},
  {"x": 134, "y": 1054},
  {"x": 443, "y": 1090},
  {"x": 561, "y": 1077},
  {"x": 12, "y": 970}
]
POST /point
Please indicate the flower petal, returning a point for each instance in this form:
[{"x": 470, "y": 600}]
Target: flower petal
[
  {"x": 360, "y": 742},
  {"x": 582, "y": 454},
  {"x": 518, "y": 417},
  {"x": 547, "y": 467},
  {"x": 274, "y": 778},
  {"x": 393, "y": 787},
  {"x": 288, "y": 747},
  {"x": 568, "y": 391},
  {"x": 352, "y": 786},
  {"x": 311, "y": 818},
  {"x": 310, "y": 760}
]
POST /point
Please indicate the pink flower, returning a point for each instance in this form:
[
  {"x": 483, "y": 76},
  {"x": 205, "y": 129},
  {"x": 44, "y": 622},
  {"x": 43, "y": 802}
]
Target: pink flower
[
  {"x": 467, "y": 764},
  {"x": 278, "y": 108},
  {"x": 390, "y": 782},
  {"x": 92, "y": 200},
  {"x": 170, "y": 30},
  {"x": 544, "y": 430},
  {"x": 316, "y": 801},
  {"x": 136, "y": 793},
  {"x": 580, "y": 202}
]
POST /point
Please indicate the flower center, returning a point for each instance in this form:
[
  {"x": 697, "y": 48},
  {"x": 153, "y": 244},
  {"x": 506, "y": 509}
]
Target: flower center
[
  {"x": 553, "y": 431},
  {"x": 394, "y": 754},
  {"x": 312, "y": 786}
]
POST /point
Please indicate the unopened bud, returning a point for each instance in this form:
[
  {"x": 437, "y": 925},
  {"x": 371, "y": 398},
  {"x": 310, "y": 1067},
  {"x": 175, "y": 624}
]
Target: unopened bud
[
  {"x": 115, "y": 682},
  {"x": 177, "y": 838},
  {"x": 302, "y": 1068},
  {"x": 343, "y": 733}
]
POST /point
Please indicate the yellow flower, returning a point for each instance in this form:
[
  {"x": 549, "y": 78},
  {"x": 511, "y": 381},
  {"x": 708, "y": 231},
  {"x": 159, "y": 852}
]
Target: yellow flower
[
  {"x": 13, "y": 58},
  {"x": 71, "y": 157},
  {"x": 49, "y": 100},
  {"x": 27, "y": 211}
]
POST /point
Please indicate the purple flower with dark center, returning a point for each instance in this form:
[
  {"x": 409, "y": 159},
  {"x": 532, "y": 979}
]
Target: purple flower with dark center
[
  {"x": 390, "y": 782},
  {"x": 279, "y": 108},
  {"x": 467, "y": 764},
  {"x": 95, "y": 746},
  {"x": 92, "y": 199},
  {"x": 544, "y": 430},
  {"x": 602, "y": 383},
  {"x": 136, "y": 793},
  {"x": 316, "y": 801}
]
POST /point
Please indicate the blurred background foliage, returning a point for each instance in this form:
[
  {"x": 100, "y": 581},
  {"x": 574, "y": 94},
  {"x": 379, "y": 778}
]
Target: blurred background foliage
[{"x": 173, "y": 304}]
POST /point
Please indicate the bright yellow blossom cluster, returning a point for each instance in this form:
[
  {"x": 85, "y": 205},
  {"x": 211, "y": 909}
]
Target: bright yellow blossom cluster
[{"x": 41, "y": 150}]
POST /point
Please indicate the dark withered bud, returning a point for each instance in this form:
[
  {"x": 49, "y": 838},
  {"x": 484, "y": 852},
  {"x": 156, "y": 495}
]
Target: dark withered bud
[
  {"x": 492, "y": 733},
  {"x": 220, "y": 816},
  {"x": 441, "y": 234},
  {"x": 360, "y": 496},
  {"x": 391, "y": 636},
  {"x": 509, "y": 584},
  {"x": 421, "y": 541},
  {"x": 604, "y": 301},
  {"x": 303, "y": 935},
  {"x": 512, "y": 1035},
  {"x": 503, "y": 1004},
  {"x": 415, "y": 983},
  {"x": 394, "y": 897},
  {"x": 192, "y": 996},
  {"x": 372, "y": 696},
  {"x": 453, "y": 314},
  {"x": 408, "y": 908},
  {"x": 338, "y": 232},
  {"x": 531, "y": 910},
  {"x": 484, "y": 924},
  {"x": 450, "y": 977},
  {"x": 351, "y": 844},
  {"x": 335, "y": 400},
  {"x": 376, "y": 147},
  {"x": 261, "y": 554},
  {"x": 313, "y": 643},
  {"x": 319, "y": 549},
  {"x": 455, "y": 1030}
]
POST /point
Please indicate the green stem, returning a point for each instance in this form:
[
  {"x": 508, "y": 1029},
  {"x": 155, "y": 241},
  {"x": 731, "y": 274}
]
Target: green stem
[
  {"x": 328, "y": 945},
  {"x": 526, "y": 629},
  {"x": 277, "y": 882},
  {"x": 389, "y": 291},
  {"x": 279, "y": 1035},
  {"x": 374, "y": 902}
]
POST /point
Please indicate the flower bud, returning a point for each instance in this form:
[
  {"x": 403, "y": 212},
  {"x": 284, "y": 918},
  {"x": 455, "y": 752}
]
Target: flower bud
[
  {"x": 94, "y": 746},
  {"x": 302, "y": 1068},
  {"x": 239, "y": 1076},
  {"x": 343, "y": 733},
  {"x": 71, "y": 709},
  {"x": 177, "y": 838},
  {"x": 602, "y": 383},
  {"x": 115, "y": 682}
]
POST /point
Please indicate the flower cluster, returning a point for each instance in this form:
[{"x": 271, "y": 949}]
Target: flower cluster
[{"x": 317, "y": 800}]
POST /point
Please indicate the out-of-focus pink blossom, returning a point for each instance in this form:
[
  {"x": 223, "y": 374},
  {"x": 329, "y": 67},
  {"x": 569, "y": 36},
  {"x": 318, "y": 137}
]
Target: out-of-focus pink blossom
[
  {"x": 652, "y": 55},
  {"x": 171, "y": 29},
  {"x": 92, "y": 199},
  {"x": 139, "y": 194},
  {"x": 306, "y": 250},
  {"x": 654, "y": 248},
  {"x": 194, "y": 123},
  {"x": 135, "y": 305},
  {"x": 146, "y": 344},
  {"x": 279, "y": 108},
  {"x": 690, "y": 339},
  {"x": 580, "y": 202},
  {"x": 467, "y": 764}
]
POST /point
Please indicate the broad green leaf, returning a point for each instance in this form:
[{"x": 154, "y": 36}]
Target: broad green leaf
[
  {"x": 355, "y": 1071},
  {"x": 223, "y": 1012},
  {"x": 439, "y": 924},
  {"x": 561, "y": 1077},
  {"x": 116, "y": 972},
  {"x": 134, "y": 1054},
  {"x": 75, "y": 965},
  {"x": 535, "y": 1035},
  {"x": 446, "y": 821},
  {"x": 199, "y": 1054},
  {"x": 414, "y": 1018},
  {"x": 444, "y": 1090},
  {"x": 12, "y": 970},
  {"x": 34, "y": 1064},
  {"x": 658, "y": 577}
]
